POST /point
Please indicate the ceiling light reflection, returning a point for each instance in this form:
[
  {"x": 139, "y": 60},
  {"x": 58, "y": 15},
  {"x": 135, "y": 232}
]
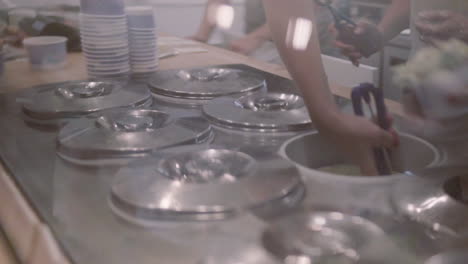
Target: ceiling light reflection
[
  {"x": 299, "y": 33},
  {"x": 222, "y": 15}
]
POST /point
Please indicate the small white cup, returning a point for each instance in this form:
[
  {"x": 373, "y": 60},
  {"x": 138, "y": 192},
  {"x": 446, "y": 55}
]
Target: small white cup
[{"x": 46, "y": 52}]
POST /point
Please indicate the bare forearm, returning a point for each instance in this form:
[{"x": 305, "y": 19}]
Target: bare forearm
[
  {"x": 207, "y": 24},
  {"x": 396, "y": 19},
  {"x": 303, "y": 63}
]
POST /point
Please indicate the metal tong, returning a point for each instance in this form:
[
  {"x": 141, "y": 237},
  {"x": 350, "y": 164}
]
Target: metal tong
[
  {"x": 340, "y": 19},
  {"x": 361, "y": 93}
]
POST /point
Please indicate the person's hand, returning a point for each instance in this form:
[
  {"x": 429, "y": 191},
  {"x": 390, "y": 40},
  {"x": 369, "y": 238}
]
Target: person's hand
[
  {"x": 360, "y": 41},
  {"x": 442, "y": 25},
  {"x": 246, "y": 45},
  {"x": 356, "y": 137}
]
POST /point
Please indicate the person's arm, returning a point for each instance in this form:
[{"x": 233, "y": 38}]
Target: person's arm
[
  {"x": 251, "y": 41},
  {"x": 207, "y": 24},
  {"x": 291, "y": 23},
  {"x": 395, "y": 20}
]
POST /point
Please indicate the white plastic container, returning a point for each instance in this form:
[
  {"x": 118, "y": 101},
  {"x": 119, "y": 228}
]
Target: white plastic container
[{"x": 47, "y": 52}]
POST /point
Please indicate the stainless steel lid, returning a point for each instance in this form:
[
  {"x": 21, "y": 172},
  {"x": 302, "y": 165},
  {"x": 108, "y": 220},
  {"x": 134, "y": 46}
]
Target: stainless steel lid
[
  {"x": 336, "y": 237},
  {"x": 124, "y": 133},
  {"x": 78, "y": 98},
  {"x": 204, "y": 83},
  {"x": 200, "y": 183},
  {"x": 459, "y": 256},
  {"x": 435, "y": 202},
  {"x": 260, "y": 111}
]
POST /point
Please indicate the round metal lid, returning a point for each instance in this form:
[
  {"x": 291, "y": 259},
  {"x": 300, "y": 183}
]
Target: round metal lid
[
  {"x": 78, "y": 98},
  {"x": 336, "y": 237},
  {"x": 204, "y": 83},
  {"x": 260, "y": 111},
  {"x": 459, "y": 256},
  {"x": 200, "y": 183},
  {"x": 123, "y": 133},
  {"x": 435, "y": 202}
]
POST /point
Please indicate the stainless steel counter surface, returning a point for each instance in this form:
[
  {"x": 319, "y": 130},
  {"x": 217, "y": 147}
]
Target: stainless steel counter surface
[{"x": 73, "y": 200}]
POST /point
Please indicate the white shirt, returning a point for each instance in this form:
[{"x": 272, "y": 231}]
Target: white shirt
[{"x": 460, "y": 6}]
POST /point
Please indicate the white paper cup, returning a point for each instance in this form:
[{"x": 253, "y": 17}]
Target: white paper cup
[{"x": 46, "y": 52}]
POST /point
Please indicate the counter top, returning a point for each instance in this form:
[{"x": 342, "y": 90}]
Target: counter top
[{"x": 18, "y": 75}]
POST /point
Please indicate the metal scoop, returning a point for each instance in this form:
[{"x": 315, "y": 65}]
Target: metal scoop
[{"x": 363, "y": 92}]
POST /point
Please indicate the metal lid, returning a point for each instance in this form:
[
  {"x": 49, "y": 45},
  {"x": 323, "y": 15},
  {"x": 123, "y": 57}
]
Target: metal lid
[
  {"x": 200, "y": 183},
  {"x": 335, "y": 237},
  {"x": 123, "y": 133},
  {"x": 435, "y": 202},
  {"x": 204, "y": 83},
  {"x": 78, "y": 98},
  {"x": 459, "y": 256},
  {"x": 238, "y": 251},
  {"x": 260, "y": 111}
]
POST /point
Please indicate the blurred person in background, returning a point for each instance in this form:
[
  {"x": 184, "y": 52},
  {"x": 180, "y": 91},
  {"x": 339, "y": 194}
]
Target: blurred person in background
[
  {"x": 257, "y": 39},
  {"x": 432, "y": 23},
  {"x": 429, "y": 20},
  {"x": 38, "y": 25},
  {"x": 294, "y": 28}
]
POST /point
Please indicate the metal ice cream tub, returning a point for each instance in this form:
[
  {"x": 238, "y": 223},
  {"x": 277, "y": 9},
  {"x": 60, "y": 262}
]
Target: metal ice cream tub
[{"x": 312, "y": 152}]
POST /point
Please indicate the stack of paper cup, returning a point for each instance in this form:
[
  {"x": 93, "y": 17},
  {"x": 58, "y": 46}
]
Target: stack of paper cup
[
  {"x": 104, "y": 38},
  {"x": 142, "y": 38}
]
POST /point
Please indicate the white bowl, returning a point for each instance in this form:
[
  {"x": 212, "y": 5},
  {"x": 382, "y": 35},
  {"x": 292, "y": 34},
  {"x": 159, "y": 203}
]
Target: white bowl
[
  {"x": 144, "y": 64},
  {"x": 102, "y": 8},
  {"x": 91, "y": 16},
  {"x": 109, "y": 45},
  {"x": 107, "y": 58},
  {"x": 103, "y": 22},
  {"x": 148, "y": 57},
  {"x": 94, "y": 41},
  {"x": 107, "y": 63},
  {"x": 102, "y": 30},
  {"x": 46, "y": 52},
  {"x": 142, "y": 40},
  {"x": 140, "y": 16},
  {"x": 140, "y": 61},
  {"x": 108, "y": 70},
  {"x": 144, "y": 69},
  {"x": 142, "y": 30},
  {"x": 106, "y": 51},
  {"x": 97, "y": 56},
  {"x": 142, "y": 48}
]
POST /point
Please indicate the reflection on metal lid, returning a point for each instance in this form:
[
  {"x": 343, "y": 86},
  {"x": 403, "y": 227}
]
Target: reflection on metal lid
[
  {"x": 459, "y": 256},
  {"x": 124, "y": 133},
  {"x": 323, "y": 235},
  {"x": 86, "y": 89},
  {"x": 260, "y": 111},
  {"x": 204, "y": 83},
  {"x": 433, "y": 202},
  {"x": 210, "y": 165},
  {"x": 200, "y": 183},
  {"x": 320, "y": 237},
  {"x": 72, "y": 99}
]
